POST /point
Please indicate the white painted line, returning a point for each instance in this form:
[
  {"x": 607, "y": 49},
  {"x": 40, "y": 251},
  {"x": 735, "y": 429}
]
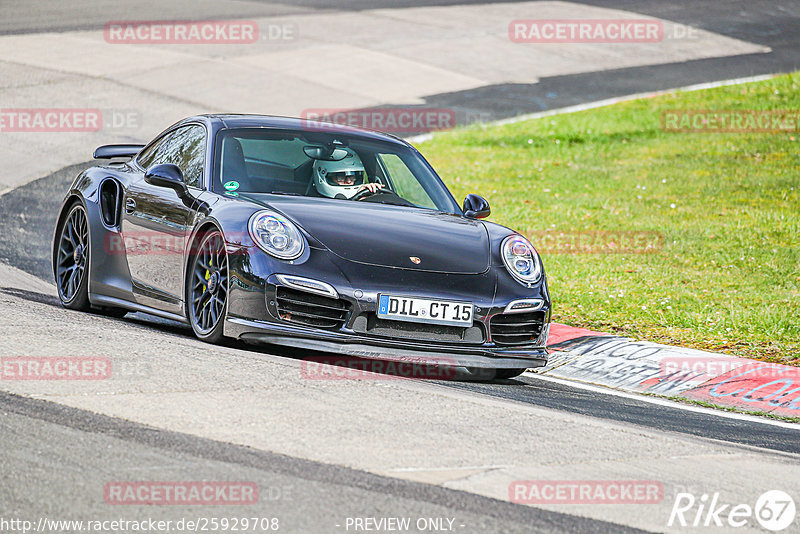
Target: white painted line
[
  {"x": 417, "y": 139},
  {"x": 662, "y": 402}
]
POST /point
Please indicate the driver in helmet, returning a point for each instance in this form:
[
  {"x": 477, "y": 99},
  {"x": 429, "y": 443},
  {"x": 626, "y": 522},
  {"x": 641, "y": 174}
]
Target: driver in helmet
[{"x": 344, "y": 178}]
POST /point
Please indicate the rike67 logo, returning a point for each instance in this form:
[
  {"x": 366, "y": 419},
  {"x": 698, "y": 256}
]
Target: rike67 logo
[{"x": 774, "y": 510}]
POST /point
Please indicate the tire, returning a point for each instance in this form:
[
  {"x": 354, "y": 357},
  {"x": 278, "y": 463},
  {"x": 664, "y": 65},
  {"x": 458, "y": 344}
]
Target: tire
[
  {"x": 502, "y": 374},
  {"x": 71, "y": 259},
  {"x": 207, "y": 288},
  {"x": 484, "y": 374}
]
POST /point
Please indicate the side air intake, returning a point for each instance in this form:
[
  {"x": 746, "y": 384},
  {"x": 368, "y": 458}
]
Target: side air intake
[{"x": 110, "y": 194}]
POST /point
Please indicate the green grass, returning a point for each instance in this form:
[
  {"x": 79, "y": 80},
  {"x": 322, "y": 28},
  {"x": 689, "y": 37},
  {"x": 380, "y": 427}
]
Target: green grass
[{"x": 723, "y": 210}]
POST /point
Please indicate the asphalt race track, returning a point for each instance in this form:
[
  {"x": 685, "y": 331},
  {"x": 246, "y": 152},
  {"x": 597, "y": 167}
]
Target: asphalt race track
[
  {"x": 43, "y": 196},
  {"x": 771, "y": 24},
  {"x": 325, "y": 452},
  {"x": 299, "y": 492}
]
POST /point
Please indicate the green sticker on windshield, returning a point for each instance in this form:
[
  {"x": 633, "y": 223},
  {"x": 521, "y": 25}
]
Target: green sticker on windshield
[{"x": 231, "y": 186}]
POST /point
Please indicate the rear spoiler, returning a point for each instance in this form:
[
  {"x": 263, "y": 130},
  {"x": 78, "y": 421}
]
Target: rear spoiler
[{"x": 117, "y": 151}]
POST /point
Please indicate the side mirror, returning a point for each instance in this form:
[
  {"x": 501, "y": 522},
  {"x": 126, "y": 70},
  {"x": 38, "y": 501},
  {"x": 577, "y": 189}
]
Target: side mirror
[
  {"x": 476, "y": 207},
  {"x": 167, "y": 175}
]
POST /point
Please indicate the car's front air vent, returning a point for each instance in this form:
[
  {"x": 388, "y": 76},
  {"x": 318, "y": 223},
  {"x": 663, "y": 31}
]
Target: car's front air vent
[
  {"x": 311, "y": 310},
  {"x": 368, "y": 323},
  {"x": 109, "y": 202},
  {"x": 516, "y": 328}
]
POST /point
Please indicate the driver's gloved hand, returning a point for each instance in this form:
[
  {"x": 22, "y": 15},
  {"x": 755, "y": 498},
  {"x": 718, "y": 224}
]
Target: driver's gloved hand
[{"x": 373, "y": 187}]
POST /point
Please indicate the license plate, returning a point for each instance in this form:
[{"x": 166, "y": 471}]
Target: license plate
[{"x": 419, "y": 310}]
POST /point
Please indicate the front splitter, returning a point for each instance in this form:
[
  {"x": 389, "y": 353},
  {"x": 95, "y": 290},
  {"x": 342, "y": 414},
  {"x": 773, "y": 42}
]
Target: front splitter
[{"x": 253, "y": 332}]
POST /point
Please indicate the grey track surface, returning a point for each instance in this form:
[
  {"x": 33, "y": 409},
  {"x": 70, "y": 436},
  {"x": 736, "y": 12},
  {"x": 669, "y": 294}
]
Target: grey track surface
[
  {"x": 24, "y": 243},
  {"x": 56, "y": 459},
  {"x": 773, "y": 24},
  {"x": 557, "y": 396},
  {"x": 35, "y": 16},
  {"x": 766, "y": 22},
  {"x": 63, "y": 457},
  {"x": 27, "y": 215},
  {"x": 28, "y": 219}
]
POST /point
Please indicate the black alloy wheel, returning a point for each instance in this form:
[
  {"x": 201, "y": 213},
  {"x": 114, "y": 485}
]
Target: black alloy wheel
[{"x": 208, "y": 288}]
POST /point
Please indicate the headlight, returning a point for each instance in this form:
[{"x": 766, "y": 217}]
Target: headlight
[
  {"x": 276, "y": 235},
  {"x": 521, "y": 259}
]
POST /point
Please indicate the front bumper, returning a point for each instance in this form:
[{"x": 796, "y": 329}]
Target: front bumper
[
  {"x": 384, "y": 349},
  {"x": 253, "y": 315}
]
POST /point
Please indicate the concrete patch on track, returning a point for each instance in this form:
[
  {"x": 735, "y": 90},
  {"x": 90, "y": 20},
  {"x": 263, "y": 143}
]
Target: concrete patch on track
[{"x": 645, "y": 367}]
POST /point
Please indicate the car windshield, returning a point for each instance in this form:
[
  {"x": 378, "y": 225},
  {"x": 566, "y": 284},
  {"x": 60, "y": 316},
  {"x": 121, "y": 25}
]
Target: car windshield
[{"x": 325, "y": 165}]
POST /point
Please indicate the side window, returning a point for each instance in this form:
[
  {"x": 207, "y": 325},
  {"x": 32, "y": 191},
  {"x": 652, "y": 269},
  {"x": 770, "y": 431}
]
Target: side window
[
  {"x": 185, "y": 147},
  {"x": 405, "y": 182},
  {"x": 149, "y": 154}
]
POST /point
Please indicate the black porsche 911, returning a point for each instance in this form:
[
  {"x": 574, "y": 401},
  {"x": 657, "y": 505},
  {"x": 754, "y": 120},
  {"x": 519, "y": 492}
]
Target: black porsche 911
[{"x": 276, "y": 230}]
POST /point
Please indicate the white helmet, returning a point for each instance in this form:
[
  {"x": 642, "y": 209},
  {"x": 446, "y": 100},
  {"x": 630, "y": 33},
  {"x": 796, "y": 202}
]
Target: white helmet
[{"x": 339, "y": 179}]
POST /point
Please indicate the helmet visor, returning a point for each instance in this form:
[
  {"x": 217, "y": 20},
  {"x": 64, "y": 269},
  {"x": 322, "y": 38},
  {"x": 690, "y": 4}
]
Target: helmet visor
[{"x": 345, "y": 178}]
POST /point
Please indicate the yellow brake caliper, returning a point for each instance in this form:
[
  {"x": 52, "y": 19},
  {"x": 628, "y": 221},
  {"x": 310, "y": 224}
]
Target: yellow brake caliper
[{"x": 208, "y": 274}]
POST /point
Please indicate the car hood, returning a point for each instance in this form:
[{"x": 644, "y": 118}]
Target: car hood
[{"x": 389, "y": 236}]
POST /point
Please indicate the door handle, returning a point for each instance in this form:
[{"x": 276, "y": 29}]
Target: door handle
[{"x": 130, "y": 205}]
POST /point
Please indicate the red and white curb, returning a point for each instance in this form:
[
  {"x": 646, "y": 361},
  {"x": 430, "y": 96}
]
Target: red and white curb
[{"x": 645, "y": 367}]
